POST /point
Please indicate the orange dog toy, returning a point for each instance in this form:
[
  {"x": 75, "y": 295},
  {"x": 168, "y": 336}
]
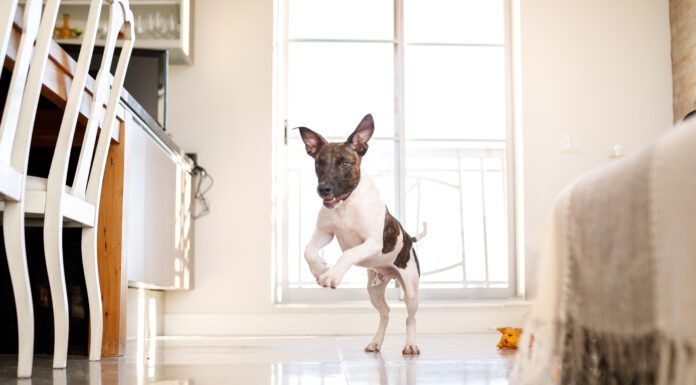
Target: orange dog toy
[{"x": 510, "y": 337}]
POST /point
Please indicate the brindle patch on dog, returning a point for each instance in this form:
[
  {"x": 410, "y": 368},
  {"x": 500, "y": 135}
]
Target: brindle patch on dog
[
  {"x": 405, "y": 252},
  {"x": 390, "y": 233},
  {"x": 392, "y": 229},
  {"x": 415, "y": 258}
]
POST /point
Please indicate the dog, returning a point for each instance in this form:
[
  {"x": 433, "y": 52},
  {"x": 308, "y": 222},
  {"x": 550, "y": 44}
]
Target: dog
[{"x": 369, "y": 236}]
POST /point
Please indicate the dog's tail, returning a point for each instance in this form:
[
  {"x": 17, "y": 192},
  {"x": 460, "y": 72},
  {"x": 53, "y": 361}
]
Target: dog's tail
[{"x": 422, "y": 234}]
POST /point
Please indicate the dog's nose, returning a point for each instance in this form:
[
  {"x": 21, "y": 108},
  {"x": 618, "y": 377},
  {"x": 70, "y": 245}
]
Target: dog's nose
[{"x": 324, "y": 190}]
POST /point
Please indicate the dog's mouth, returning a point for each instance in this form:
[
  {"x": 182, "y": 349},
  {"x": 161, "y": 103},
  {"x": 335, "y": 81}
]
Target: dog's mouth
[{"x": 330, "y": 203}]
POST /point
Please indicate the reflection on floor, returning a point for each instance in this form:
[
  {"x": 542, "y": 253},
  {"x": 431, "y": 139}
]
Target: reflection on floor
[{"x": 446, "y": 359}]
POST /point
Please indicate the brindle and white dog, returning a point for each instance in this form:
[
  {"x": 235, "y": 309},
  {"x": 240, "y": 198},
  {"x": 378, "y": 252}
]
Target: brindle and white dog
[{"x": 369, "y": 236}]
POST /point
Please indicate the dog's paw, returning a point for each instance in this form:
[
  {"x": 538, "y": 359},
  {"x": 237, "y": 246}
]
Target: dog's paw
[
  {"x": 410, "y": 349},
  {"x": 373, "y": 347},
  {"x": 331, "y": 279},
  {"x": 318, "y": 271}
]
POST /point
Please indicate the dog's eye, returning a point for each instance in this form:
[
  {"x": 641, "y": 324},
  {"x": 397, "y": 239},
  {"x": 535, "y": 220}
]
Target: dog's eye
[{"x": 345, "y": 164}]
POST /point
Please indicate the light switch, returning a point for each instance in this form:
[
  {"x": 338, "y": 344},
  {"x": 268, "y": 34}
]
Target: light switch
[
  {"x": 568, "y": 143},
  {"x": 618, "y": 151}
]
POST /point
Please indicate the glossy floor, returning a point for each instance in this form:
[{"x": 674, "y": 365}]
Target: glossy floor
[{"x": 445, "y": 359}]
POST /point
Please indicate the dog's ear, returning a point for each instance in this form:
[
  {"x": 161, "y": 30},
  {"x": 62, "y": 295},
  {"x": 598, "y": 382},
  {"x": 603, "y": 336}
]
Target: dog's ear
[
  {"x": 312, "y": 141},
  {"x": 362, "y": 134}
]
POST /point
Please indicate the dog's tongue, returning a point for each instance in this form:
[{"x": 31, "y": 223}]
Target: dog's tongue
[{"x": 330, "y": 203}]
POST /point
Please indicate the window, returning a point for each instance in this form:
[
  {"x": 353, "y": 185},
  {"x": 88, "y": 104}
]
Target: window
[{"x": 435, "y": 76}]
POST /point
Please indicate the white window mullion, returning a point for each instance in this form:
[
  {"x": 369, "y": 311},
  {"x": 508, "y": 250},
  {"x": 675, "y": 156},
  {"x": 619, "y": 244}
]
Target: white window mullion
[
  {"x": 509, "y": 167},
  {"x": 399, "y": 103},
  {"x": 280, "y": 113}
]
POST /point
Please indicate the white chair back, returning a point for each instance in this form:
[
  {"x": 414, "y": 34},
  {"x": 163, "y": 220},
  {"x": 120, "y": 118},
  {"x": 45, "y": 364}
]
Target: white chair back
[
  {"x": 7, "y": 15},
  {"x": 106, "y": 90},
  {"x": 10, "y": 180},
  {"x": 32, "y": 91},
  {"x": 96, "y": 171}
]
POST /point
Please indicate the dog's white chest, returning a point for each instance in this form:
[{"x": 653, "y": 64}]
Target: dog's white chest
[
  {"x": 358, "y": 218},
  {"x": 352, "y": 227},
  {"x": 348, "y": 235}
]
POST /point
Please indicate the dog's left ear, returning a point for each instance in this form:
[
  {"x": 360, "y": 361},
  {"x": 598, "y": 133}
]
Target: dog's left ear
[{"x": 362, "y": 134}]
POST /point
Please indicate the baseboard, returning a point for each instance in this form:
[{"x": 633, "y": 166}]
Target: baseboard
[{"x": 436, "y": 320}]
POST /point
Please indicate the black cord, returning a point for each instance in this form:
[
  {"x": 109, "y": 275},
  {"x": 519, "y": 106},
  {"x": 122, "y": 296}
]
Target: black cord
[{"x": 202, "y": 175}]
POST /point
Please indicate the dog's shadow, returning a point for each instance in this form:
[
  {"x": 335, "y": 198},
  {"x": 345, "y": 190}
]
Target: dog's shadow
[{"x": 405, "y": 373}]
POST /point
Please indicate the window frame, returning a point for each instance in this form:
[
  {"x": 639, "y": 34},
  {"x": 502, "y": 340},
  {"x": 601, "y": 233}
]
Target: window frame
[{"x": 282, "y": 293}]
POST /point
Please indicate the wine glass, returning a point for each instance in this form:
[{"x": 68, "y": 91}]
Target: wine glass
[
  {"x": 139, "y": 27},
  {"x": 173, "y": 27}
]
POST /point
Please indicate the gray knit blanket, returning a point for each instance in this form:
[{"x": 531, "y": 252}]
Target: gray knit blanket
[{"x": 617, "y": 302}]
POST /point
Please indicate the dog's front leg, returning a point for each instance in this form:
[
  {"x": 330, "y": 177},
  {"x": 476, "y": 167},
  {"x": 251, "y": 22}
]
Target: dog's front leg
[
  {"x": 317, "y": 264},
  {"x": 333, "y": 277}
]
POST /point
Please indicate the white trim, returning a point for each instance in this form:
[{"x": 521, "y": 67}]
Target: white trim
[
  {"x": 517, "y": 141},
  {"x": 348, "y": 320},
  {"x": 433, "y": 44},
  {"x": 341, "y": 41},
  {"x": 510, "y": 149},
  {"x": 279, "y": 136}
]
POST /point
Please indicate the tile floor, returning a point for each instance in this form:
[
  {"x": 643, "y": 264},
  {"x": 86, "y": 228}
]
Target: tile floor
[{"x": 445, "y": 359}]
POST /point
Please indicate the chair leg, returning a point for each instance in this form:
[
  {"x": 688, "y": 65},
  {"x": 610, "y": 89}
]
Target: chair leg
[
  {"x": 13, "y": 231},
  {"x": 90, "y": 266},
  {"x": 53, "y": 249}
]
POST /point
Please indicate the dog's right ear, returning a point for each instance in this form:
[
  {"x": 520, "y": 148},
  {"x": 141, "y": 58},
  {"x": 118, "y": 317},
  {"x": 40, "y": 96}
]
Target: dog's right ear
[{"x": 312, "y": 141}]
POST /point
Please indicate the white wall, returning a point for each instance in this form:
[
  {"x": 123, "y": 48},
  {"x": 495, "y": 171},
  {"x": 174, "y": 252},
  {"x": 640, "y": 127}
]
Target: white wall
[
  {"x": 220, "y": 107},
  {"x": 597, "y": 69}
]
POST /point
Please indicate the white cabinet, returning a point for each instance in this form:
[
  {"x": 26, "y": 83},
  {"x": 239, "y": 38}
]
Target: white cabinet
[
  {"x": 157, "y": 227},
  {"x": 159, "y": 24}
]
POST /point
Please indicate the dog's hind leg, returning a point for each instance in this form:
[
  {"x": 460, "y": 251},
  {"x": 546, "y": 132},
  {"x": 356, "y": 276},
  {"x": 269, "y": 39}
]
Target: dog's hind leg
[
  {"x": 408, "y": 278},
  {"x": 380, "y": 303}
]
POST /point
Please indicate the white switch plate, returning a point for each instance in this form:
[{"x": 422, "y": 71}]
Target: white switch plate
[{"x": 568, "y": 143}]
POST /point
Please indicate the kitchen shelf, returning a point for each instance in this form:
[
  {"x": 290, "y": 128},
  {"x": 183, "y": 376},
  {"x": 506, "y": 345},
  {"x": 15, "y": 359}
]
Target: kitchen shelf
[
  {"x": 167, "y": 44},
  {"x": 180, "y": 50},
  {"x": 132, "y": 2}
]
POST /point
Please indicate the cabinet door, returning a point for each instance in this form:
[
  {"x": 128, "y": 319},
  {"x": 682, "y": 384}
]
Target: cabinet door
[{"x": 157, "y": 220}]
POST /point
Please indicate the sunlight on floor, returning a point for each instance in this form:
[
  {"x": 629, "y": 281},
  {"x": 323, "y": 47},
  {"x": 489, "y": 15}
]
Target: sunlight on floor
[{"x": 446, "y": 359}]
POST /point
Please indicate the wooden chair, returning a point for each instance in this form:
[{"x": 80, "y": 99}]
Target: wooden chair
[
  {"x": 15, "y": 138},
  {"x": 78, "y": 204}
]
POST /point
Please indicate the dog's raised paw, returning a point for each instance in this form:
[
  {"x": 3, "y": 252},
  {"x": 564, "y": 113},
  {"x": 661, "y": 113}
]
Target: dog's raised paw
[
  {"x": 331, "y": 279},
  {"x": 411, "y": 349},
  {"x": 372, "y": 347},
  {"x": 317, "y": 272}
]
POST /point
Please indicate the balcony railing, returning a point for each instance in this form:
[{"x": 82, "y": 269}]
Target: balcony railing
[{"x": 459, "y": 187}]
